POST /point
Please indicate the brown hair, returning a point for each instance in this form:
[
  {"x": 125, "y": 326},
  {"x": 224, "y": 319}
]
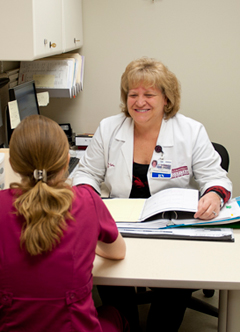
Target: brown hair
[
  {"x": 40, "y": 143},
  {"x": 151, "y": 73}
]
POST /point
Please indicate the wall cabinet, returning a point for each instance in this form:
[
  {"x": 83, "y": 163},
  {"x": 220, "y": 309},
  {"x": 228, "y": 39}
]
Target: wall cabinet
[
  {"x": 72, "y": 25},
  {"x": 32, "y": 29},
  {"x": 47, "y": 27}
]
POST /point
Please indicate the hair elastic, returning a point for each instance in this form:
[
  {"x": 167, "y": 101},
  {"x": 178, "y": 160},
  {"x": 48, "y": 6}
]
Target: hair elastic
[{"x": 40, "y": 175}]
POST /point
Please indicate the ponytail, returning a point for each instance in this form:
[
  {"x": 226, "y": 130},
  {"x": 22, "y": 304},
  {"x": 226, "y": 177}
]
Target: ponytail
[
  {"x": 43, "y": 197},
  {"x": 44, "y": 209}
]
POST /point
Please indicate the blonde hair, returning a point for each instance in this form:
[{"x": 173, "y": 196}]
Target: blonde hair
[
  {"x": 40, "y": 143},
  {"x": 151, "y": 73}
]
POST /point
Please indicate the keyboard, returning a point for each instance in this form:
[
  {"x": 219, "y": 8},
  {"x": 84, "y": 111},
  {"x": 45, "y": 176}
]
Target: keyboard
[{"x": 72, "y": 164}]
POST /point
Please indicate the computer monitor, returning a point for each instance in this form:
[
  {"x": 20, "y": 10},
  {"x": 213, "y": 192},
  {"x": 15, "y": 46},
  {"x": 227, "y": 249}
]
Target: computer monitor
[
  {"x": 26, "y": 97},
  {"x": 1, "y": 127},
  {"x": 1, "y": 118}
]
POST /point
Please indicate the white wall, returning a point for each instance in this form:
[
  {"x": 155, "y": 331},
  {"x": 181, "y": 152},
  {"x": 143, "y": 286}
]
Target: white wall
[{"x": 197, "y": 40}]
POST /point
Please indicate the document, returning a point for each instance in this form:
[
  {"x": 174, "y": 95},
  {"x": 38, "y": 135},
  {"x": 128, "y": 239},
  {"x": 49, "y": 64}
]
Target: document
[
  {"x": 171, "y": 202},
  {"x": 166, "y": 204}
]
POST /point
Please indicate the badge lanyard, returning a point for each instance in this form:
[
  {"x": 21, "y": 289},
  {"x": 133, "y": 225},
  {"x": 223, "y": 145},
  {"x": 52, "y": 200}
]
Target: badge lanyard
[{"x": 161, "y": 169}]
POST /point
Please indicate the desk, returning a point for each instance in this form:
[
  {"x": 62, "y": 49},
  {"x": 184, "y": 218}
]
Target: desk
[
  {"x": 182, "y": 264},
  {"x": 178, "y": 263}
]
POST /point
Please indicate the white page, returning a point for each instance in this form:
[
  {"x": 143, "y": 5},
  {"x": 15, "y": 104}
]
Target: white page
[{"x": 173, "y": 199}]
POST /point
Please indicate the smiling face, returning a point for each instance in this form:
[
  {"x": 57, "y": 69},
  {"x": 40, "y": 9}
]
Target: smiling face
[{"x": 146, "y": 105}]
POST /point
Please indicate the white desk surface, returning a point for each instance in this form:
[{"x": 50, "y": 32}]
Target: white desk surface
[{"x": 175, "y": 263}]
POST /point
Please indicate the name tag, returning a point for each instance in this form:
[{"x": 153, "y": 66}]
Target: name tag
[{"x": 163, "y": 169}]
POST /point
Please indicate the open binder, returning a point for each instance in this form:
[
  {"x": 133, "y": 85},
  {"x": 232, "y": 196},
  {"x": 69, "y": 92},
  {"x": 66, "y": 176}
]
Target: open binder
[
  {"x": 167, "y": 210},
  {"x": 167, "y": 205}
]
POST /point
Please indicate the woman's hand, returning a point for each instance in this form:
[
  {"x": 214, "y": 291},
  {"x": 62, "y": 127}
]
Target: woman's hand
[{"x": 208, "y": 206}]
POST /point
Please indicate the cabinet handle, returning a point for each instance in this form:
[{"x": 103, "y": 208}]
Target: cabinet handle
[
  {"x": 52, "y": 45},
  {"x": 76, "y": 40}
]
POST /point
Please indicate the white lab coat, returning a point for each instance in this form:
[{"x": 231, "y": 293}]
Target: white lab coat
[{"x": 184, "y": 141}]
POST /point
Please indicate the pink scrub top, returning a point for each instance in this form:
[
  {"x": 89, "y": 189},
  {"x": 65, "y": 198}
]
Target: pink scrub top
[{"x": 52, "y": 291}]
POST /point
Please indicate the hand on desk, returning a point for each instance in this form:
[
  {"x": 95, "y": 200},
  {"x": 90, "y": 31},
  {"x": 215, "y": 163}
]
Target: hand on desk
[{"x": 208, "y": 206}]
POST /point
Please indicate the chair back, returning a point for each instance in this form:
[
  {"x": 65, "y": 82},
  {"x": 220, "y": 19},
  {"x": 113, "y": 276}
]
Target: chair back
[{"x": 223, "y": 154}]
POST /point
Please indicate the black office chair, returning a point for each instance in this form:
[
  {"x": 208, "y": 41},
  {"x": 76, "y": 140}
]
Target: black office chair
[
  {"x": 144, "y": 296},
  {"x": 195, "y": 303},
  {"x": 223, "y": 154}
]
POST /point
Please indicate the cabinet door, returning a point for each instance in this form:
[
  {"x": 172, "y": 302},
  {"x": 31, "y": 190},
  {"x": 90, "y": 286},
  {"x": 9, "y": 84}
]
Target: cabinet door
[
  {"x": 47, "y": 25},
  {"x": 16, "y": 30},
  {"x": 72, "y": 25}
]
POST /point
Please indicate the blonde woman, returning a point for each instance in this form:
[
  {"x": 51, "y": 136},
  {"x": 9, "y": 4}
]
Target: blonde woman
[
  {"x": 146, "y": 148},
  {"x": 49, "y": 235}
]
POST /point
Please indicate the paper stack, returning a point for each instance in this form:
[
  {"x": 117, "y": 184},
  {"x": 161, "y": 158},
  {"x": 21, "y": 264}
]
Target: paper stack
[{"x": 60, "y": 75}]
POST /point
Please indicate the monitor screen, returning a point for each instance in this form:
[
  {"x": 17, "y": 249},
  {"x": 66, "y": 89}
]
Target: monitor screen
[
  {"x": 1, "y": 119},
  {"x": 1, "y": 127},
  {"x": 26, "y": 97}
]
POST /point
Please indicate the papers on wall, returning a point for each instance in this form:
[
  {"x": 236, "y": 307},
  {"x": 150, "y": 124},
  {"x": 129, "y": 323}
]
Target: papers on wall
[
  {"x": 43, "y": 98},
  {"x": 60, "y": 75},
  {"x": 13, "y": 113}
]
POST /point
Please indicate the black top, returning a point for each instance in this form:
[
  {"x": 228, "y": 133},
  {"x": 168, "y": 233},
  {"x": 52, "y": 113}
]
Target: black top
[{"x": 140, "y": 188}]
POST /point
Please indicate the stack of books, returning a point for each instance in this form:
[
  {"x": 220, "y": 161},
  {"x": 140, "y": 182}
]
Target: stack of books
[{"x": 13, "y": 76}]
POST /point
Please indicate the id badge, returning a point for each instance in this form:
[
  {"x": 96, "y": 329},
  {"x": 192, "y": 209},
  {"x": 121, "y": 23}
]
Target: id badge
[{"x": 163, "y": 169}]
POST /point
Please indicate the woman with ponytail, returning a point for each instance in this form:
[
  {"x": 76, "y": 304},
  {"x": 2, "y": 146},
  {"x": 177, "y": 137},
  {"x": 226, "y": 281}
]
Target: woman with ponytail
[{"x": 49, "y": 235}]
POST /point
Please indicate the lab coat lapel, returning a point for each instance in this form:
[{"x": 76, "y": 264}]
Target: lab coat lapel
[
  {"x": 125, "y": 135},
  {"x": 165, "y": 137}
]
